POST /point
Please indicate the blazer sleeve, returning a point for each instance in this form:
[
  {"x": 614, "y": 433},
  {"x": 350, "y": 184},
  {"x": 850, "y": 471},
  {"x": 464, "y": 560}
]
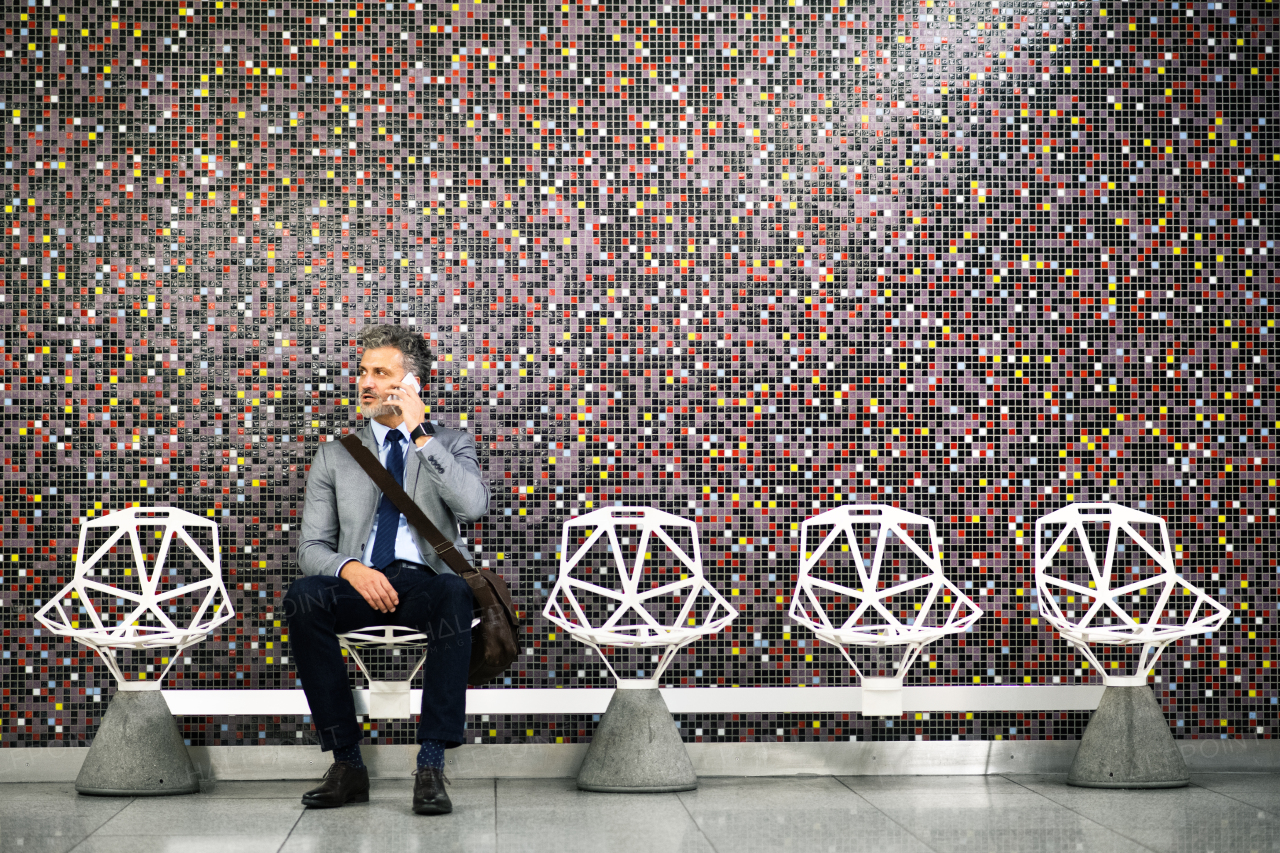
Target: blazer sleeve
[
  {"x": 456, "y": 476},
  {"x": 318, "y": 543}
]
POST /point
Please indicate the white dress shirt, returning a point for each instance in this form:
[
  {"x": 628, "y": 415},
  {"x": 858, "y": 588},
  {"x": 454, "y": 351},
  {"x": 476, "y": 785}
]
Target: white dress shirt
[{"x": 406, "y": 548}]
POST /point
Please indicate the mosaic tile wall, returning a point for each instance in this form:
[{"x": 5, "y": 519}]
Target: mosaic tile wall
[{"x": 739, "y": 262}]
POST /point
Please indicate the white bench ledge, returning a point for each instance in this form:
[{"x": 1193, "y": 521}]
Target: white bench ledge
[{"x": 681, "y": 700}]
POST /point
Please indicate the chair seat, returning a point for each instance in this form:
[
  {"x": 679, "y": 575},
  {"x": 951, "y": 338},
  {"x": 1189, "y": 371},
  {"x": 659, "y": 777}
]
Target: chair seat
[
  {"x": 1118, "y": 635},
  {"x": 386, "y": 636},
  {"x": 880, "y": 636},
  {"x": 375, "y": 636},
  {"x": 643, "y": 637},
  {"x": 141, "y": 637}
]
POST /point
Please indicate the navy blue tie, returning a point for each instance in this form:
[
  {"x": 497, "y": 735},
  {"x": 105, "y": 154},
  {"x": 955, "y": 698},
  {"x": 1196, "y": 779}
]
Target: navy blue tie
[{"x": 384, "y": 544}]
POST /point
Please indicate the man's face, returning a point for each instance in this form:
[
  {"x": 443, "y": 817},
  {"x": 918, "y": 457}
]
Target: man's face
[{"x": 380, "y": 370}]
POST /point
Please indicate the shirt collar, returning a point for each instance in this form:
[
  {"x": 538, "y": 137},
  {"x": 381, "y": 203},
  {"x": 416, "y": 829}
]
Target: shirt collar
[{"x": 380, "y": 431}]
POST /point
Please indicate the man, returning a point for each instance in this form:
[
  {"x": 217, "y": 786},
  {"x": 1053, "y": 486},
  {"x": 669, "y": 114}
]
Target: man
[{"x": 364, "y": 565}]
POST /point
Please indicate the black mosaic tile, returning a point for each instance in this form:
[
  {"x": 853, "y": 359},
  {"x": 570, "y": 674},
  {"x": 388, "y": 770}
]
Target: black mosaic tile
[{"x": 739, "y": 262}]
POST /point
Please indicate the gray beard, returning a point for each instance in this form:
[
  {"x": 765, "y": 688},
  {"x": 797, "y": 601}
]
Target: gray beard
[{"x": 381, "y": 410}]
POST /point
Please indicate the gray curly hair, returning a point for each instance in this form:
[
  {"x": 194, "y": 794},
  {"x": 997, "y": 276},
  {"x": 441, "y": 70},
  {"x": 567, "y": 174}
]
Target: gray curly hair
[{"x": 413, "y": 348}]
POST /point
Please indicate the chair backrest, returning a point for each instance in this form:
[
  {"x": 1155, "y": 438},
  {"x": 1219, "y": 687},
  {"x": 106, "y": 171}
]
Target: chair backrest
[
  {"x": 126, "y": 592},
  {"x": 885, "y": 568},
  {"x": 635, "y": 579}
]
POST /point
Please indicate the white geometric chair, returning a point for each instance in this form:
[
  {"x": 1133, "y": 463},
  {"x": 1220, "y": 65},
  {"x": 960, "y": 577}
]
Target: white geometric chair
[
  {"x": 1086, "y": 604},
  {"x": 1133, "y": 596},
  {"x": 937, "y": 606},
  {"x": 152, "y": 616},
  {"x": 389, "y": 699},
  {"x": 622, "y": 613},
  {"x": 605, "y": 596},
  {"x": 139, "y": 603}
]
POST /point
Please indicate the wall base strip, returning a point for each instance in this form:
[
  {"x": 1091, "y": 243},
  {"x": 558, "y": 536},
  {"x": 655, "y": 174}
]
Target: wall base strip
[{"x": 541, "y": 760}]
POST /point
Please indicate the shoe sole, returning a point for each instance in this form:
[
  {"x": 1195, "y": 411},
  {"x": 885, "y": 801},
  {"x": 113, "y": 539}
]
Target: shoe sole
[
  {"x": 432, "y": 810},
  {"x": 362, "y": 797}
]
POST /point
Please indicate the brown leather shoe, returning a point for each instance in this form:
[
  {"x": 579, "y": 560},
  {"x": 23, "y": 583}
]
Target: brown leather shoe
[
  {"x": 429, "y": 795},
  {"x": 342, "y": 784}
]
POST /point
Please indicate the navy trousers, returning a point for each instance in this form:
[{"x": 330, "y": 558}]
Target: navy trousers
[{"x": 318, "y": 608}]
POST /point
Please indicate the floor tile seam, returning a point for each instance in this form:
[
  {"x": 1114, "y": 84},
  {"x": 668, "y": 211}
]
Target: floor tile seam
[
  {"x": 1269, "y": 812},
  {"x": 692, "y": 817},
  {"x": 82, "y": 841},
  {"x": 90, "y": 834},
  {"x": 1080, "y": 815},
  {"x": 214, "y": 799},
  {"x": 113, "y": 816},
  {"x": 497, "y": 780},
  {"x": 886, "y": 815},
  {"x": 289, "y": 834}
]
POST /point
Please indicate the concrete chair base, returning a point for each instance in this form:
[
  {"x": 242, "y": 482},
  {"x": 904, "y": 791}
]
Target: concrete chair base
[
  {"x": 636, "y": 748},
  {"x": 1128, "y": 744},
  {"x": 138, "y": 751}
]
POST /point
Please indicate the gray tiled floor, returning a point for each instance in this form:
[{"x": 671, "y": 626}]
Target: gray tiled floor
[{"x": 1219, "y": 813}]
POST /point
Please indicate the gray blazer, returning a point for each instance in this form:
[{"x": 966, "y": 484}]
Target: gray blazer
[{"x": 341, "y": 502}]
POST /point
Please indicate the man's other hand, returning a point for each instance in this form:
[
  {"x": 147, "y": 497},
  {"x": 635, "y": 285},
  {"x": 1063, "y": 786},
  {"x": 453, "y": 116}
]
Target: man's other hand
[{"x": 372, "y": 584}]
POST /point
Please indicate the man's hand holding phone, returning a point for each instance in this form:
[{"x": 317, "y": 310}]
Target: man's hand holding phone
[{"x": 412, "y": 409}]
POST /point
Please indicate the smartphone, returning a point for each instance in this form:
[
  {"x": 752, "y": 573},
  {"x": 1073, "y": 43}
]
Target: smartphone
[{"x": 410, "y": 381}]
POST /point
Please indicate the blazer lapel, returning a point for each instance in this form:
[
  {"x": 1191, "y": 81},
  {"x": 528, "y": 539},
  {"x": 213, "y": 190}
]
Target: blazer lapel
[
  {"x": 412, "y": 465},
  {"x": 368, "y": 439},
  {"x": 413, "y": 468}
]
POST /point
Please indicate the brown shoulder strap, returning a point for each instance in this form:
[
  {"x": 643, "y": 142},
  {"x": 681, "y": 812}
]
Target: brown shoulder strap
[{"x": 382, "y": 478}]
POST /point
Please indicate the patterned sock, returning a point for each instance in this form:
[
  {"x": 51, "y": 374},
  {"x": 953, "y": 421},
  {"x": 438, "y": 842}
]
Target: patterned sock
[
  {"x": 431, "y": 754},
  {"x": 349, "y": 754}
]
